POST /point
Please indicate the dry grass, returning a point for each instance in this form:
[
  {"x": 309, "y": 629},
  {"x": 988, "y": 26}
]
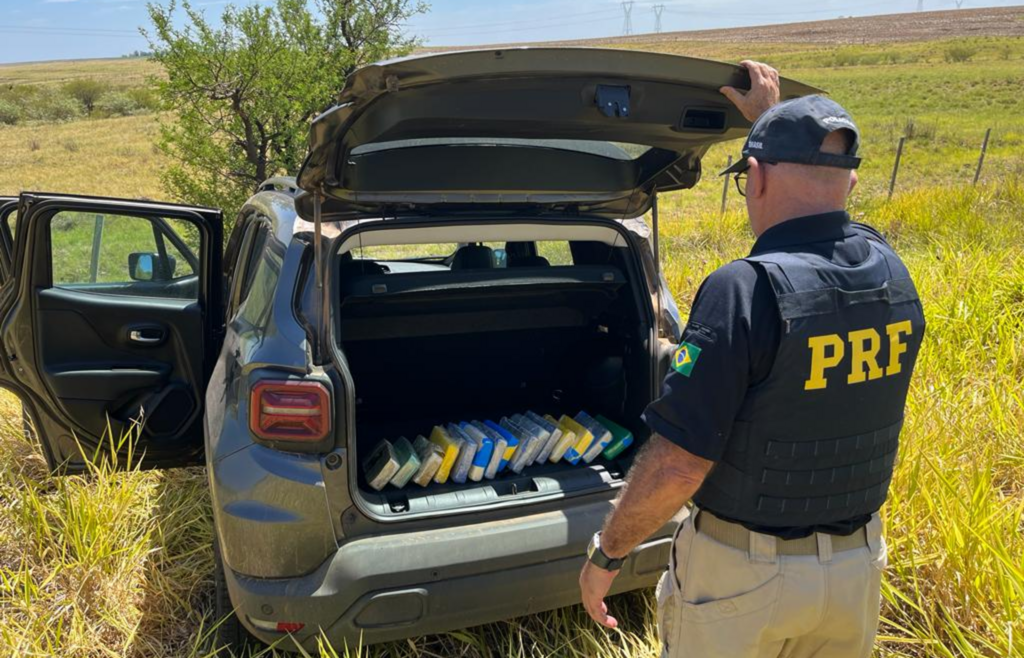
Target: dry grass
[
  {"x": 118, "y": 72},
  {"x": 106, "y": 157}
]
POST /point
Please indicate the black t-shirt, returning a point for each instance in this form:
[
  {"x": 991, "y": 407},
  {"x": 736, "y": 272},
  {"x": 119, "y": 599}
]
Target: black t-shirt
[{"x": 734, "y": 324}]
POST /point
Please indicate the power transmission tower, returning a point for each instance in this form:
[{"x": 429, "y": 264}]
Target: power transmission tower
[
  {"x": 920, "y": 5},
  {"x": 657, "y": 17},
  {"x": 627, "y": 16}
]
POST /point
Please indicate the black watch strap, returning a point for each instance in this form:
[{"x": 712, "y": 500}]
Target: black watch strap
[{"x": 598, "y": 557}]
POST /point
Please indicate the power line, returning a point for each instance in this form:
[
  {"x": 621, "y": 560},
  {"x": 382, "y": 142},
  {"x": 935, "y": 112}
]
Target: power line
[
  {"x": 44, "y": 28},
  {"x": 627, "y": 16},
  {"x": 58, "y": 33},
  {"x": 608, "y": 13},
  {"x": 529, "y": 28}
]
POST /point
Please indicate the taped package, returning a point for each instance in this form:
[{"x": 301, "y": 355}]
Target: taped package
[
  {"x": 431, "y": 456},
  {"x": 511, "y": 443},
  {"x": 602, "y": 436},
  {"x": 484, "y": 451},
  {"x": 467, "y": 453},
  {"x": 449, "y": 446},
  {"x": 408, "y": 462},
  {"x": 583, "y": 439},
  {"x": 541, "y": 432},
  {"x": 621, "y": 438},
  {"x": 565, "y": 441},
  {"x": 498, "y": 452},
  {"x": 554, "y": 434},
  {"x": 380, "y": 466},
  {"x": 527, "y": 445}
]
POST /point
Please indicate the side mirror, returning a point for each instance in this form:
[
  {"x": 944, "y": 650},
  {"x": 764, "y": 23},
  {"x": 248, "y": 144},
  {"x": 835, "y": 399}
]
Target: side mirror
[{"x": 151, "y": 267}]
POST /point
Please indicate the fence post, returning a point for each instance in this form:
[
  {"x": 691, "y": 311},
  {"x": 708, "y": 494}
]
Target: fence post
[
  {"x": 725, "y": 185},
  {"x": 981, "y": 158},
  {"x": 97, "y": 240},
  {"x": 896, "y": 166}
]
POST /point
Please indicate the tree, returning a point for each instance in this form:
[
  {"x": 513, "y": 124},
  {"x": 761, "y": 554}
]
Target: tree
[
  {"x": 243, "y": 92},
  {"x": 86, "y": 91}
]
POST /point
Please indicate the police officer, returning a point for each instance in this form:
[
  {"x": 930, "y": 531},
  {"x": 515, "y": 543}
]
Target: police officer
[{"x": 781, "y": 413}]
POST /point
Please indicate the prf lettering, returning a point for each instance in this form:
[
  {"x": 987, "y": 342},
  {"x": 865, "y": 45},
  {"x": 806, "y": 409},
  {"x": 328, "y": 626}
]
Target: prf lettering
[{"x": 828, "y": 352}]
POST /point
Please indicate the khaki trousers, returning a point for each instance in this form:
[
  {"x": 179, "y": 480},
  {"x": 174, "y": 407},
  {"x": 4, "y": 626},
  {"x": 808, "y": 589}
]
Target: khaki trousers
[{"x": 716, "y": 600}]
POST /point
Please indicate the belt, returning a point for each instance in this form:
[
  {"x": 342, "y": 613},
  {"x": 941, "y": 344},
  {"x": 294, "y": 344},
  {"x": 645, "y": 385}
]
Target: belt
[{"x": 738, "y": 537}]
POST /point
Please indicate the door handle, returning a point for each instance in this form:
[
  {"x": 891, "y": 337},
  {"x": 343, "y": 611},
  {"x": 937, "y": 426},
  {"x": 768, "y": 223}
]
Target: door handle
[{"x": 137, "y": 336}]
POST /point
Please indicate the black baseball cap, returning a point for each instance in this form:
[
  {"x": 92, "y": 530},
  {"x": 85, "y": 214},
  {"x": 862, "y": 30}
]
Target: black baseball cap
[{"x": 793, "y": 131}]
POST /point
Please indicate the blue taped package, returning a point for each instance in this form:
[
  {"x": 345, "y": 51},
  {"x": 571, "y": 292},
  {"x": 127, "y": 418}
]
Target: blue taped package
[
  {"x": 602, "y": 436},
  {"x": 511, "y": 442},
  {"x": 498, "y": 454},
  {"x": 484, "y": 451},
  {"x": 554, "y": 435},
  {"x": 467, "y": 453}
]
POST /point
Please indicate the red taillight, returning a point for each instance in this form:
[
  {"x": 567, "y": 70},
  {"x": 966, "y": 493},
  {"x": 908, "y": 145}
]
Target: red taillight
[{"x": 290, "y": 411}]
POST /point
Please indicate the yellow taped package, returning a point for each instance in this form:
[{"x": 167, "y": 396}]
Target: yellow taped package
[
  {"x": 583, "y": 439},
  {"x": 450, "y": 447},
  {"x": 430, "y": 456},
  {"x": 565, "y": 441}
]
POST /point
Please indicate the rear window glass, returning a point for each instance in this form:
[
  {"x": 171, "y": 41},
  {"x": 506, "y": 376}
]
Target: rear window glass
[
  {"x": 614, "y": 150},
  {"x": 555, "y": 252}
]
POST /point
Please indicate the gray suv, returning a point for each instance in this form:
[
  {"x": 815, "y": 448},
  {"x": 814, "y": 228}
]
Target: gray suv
[{"x": 463, "y": 242}]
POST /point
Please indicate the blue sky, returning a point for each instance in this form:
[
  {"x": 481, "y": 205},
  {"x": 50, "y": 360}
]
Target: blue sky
[{"x": 34, "y": 30}]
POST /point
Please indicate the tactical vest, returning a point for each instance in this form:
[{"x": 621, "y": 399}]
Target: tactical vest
[{"x": 815, "y": 442}]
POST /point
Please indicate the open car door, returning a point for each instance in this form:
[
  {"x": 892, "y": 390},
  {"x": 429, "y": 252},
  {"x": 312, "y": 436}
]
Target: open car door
[{"x": 111, "y": 325}]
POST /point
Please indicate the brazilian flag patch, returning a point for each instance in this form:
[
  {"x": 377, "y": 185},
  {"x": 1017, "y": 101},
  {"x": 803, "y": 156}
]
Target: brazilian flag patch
[{"x": 685, "y": 358}]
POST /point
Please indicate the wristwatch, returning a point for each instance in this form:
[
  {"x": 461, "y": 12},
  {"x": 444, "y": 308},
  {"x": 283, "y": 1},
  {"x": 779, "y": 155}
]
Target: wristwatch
[{"x": 598, "y": 557}]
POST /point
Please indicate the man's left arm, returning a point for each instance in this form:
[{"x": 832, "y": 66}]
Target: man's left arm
[{"x": 663, "y": 479}]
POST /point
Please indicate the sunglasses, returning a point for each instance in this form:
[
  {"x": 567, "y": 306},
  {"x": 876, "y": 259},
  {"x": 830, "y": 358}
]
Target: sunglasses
[{"x": 741, "y": 178}]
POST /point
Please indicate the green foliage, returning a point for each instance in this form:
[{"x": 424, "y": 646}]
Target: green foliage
[
  {"x": 87, "y": 91},
  {"x": 146, "y": 98},
  {"x": 117, "y": 103},
  {"x": 959, "y": 52},
  {"x": 52, "y": 105},
  {"x": 244, "y": 89},
  {"x": 10, "y": 112}
]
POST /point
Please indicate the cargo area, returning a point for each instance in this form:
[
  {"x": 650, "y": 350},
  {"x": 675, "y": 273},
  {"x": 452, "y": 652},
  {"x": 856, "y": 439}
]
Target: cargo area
[{"x": 428, "y": 344}]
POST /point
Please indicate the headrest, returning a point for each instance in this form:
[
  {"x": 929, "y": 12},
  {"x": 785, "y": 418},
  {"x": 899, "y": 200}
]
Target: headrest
[{"x": 473, "y": 257}]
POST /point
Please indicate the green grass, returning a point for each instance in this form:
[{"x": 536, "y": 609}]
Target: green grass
[{"x": 120, "y": 564}]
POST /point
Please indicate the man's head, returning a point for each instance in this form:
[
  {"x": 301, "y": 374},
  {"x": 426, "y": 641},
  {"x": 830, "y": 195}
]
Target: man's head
[{"x": 799, "y": 159}]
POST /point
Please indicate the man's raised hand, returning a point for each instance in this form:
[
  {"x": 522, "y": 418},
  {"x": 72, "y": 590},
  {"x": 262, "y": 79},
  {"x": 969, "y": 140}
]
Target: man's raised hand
[{"x": 764, "y": 90}]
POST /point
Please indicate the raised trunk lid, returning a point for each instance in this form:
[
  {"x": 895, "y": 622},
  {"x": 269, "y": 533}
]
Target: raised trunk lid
[{"x": 553, "y": 130}]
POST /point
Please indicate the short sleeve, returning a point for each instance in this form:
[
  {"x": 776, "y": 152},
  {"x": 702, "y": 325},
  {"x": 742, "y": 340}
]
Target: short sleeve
[{"x": 711, "y": 368}]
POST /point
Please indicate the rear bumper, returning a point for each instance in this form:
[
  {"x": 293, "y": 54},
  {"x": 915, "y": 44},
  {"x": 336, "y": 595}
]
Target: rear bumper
[{"x": 395, "y": 586}]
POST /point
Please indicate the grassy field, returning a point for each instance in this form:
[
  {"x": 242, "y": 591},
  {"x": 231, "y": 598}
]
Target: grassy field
[{"x": 120, "y": 564}]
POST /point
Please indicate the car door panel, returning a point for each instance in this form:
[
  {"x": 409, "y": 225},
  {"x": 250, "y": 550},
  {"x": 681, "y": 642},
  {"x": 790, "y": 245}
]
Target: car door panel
[
  {"x": 87, "y": 352},
  {"x": 97, "y": 356}
]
